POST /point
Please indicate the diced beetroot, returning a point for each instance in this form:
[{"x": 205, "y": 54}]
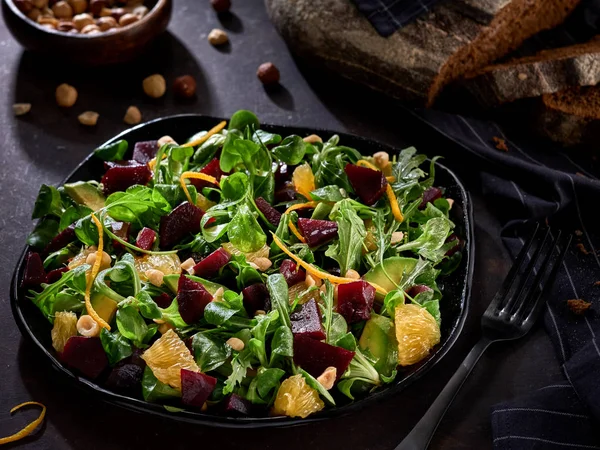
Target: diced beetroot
[
  {"x": 124, "y": 174},
  {"x": 54, "y": 275},
  {"x": 213, "y": 169},
  {"x": 211, "y": 265},
  {"x": 283, "y": 173},
  {"x": 368, "y": 184},
  {"x": 192, "y": 298},
  {"x": 164, "y": 300},
  {"x": 316, "y": 356},
  {"x": 61, "y": 240},
  {"x": 145, "y": 238},
  {"x": 286, "y": 193},
  {"x": 256, "y": 296},
  {"x": 271, "y": 214},
  {"x": 144, "y": 151},
  {"x": 429, "y": 196},
  {"x": 307, "y": 321},
  {"x": 34, "y": 273},
  {"x": 418, "y": 289},
  {"x": 355, "y": 301},
  {"x": 196, "y": 387},
  {"x": 457, "y": 247},
  {"x": 85, "y": 355},
  {"x": 291, "y": 272},
  {"x": 121, "y": 230},
  {"x": 125, "y": 377},
  {"x": 235, "y": 406},
  {"x": 317, "y": 232},
  {"x": 179, "y": 223}
]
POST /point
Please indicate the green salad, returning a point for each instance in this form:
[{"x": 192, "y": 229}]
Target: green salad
[{"x": 243, "y": 273}]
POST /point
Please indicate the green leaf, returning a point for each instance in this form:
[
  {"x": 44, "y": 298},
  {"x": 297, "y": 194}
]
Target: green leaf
[
  {"x": 147, "y": 306},
  {"x": 347, "y": 251},
  {"x": 291, "y": 151},
  {"x": 115, "y": 346},
  {"x": 266, "y": 138},
  {"x": 45, "y": 230},
  {"x": 47, "y": 202},
  {"x": 430, "y": 244},
  {"x": 210, "y": 351},
  {"x": 433, "y": 307},
  {"x": 72, "y": 214},
  {"x": 278, "y": 291},
  {"x": 217, "y": 313},
  {"x": 264, "y": 386},
  {"x": 347, "y": 341},
  {"x": 331, "y": 194},
  {"x": 112, "y": 152},
  {"x": 282, "y": 345},
  {"x": 243, "y": 119},
  {"x": 207, "y": 151},
  {"x": 313, "y": 383},
  {"x": 131, "y": 325},
  {"x": 240, "y": 364},
  {"x": 391, "y": 300},
  {"x": 155, "y": 391},
  {"x": 244, "y": 231}
]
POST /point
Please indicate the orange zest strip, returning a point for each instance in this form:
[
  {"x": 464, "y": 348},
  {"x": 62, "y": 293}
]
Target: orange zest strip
[
  {"x": 364, "y": 163},
  {"x": 296, "y": 232},
  {"x": 394, "y": 204},
  {"x": 95, "y": 269},
  {"x": 204, "y": 138},
  {"x": 301, "y": 206},
  {"x": 390, "y": 179},
  {"x": 197, "y": 175},
  {"x": 313, "y": 271},
  {"x": 29, "y": 428}
]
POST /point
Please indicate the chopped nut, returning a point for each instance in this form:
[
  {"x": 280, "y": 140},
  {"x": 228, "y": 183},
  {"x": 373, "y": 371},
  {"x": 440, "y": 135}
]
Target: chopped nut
[
  {"x": 87, "y": 326},
  {"x": 116, "y": 13},
  {"x": 128, "y": 19},
  {"x": 20, "y": 109},
  {"x": 66, "y": 95},
  {"x": 236, "y": 344},
  {"x": 88, "y": 118},
  {"x": 82, "y": 20},
  {"x": 204, "y": 407},
  {"x": 155, "y": 277},
  {"x": 106, "y": 23},
  {"x": 104, "y": 264},
  {"x": 166, "y": 140},
  {"x": 310, "y": 281},
  {"x": 188, "y": 265},
  {"x": 140, "y": 11},
  {"x": 268, "y": 74},
  {"x": 253, "y": 265},
  {"x": 218, "y": 295},
  {"x": 381, "y": 159},
  {"x": 500, "y": 144},
  {"x": 79, "y": 6},
  {"x": 450, "y": 202},
  {"x": 47, "y": 12},
  {"x": 184, "y": 86},
  {"x": 327, "y": 378},
  {"x": 62, "y": 10},
  {"x": 133, "y": 116},
  {"x": 155, "y": 86},
  {"x": 263, "y": 263},
  {"x": 578, "y": 306},
  {"x": 397, "y": 237},
  {"x": 259, "y": 312},
  {"x": 582, "y": 248},
  {"x": 218, "y": 37},
  {"x": 107, "y": 12},
  {"x": 352, "y": 274},
  {"x": 221, "y": 6},
  {"x": 312, "y": 139}
]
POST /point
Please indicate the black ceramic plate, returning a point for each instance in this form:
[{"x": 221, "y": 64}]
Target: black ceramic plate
[{"x": 456, "y": 289}]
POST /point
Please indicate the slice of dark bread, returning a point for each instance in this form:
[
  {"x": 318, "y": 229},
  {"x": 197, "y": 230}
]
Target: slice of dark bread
[{"x": 547, "y": 72}]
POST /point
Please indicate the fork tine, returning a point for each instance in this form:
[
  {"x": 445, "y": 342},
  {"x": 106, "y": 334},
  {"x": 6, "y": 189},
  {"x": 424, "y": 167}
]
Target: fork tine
[{"x": 513, "y": 274}]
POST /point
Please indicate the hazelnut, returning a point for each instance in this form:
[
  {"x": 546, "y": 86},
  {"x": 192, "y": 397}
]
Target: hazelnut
[
  {"x": 327, "y": 378},
  {"x": 82, "y": 20},
  {"x": 218, "y": 295},
  {"x": 40, "y": 4},
  {"x": 90, "y": 29},
  {"x": 188, "y": 265},
  {"x": 155, "y": 85},
  {"x": 218, "y": 37},
  {"x": 155, "y": 277},
  {"x": 20, "y": 109},
  {"x": 117, "y": 13},
  {"x": 106, "y": 23},
  {"x": 140, "y": 11},
  {"x": 381, "y": 159},
  {"x": 48, "y": 21},
  {"x": 87, "y": 326},
  {"x": 106, "y": 12},
  {"x": 96, "y": 6},
  {"x": 62, "y": 10},
  {"x": 47, "y": 12},
  {"x": 312, "y": 139},
  {"x": 259, "y": 312},
  {"x": 268, "y": 74},
  {"x": 353, "y": 274},
  {"x": 128, "y": 19},
  {"x": 104, "y": 264},
  {"x": 79, "y": 6},
  {"x": 89, "y": 119},
  {"x": 65, "y": 26},
  {"x": 168, "y": 140},
  {"x": 221, "y": 6},
  {"x": 133, "y": 116},
  {"x": 184, "y": 86},
  {"x": 34, "y": 14},
  {"x": 25, "y": 6},
  {"x": 450, "y": 202},
  {"x": 397, "y": 237},
  {"x": 236, "y": 343}
]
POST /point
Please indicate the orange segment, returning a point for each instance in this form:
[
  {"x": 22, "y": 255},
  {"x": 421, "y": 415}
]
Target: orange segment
[
  {"x": 262, "y": 252},
  {"x": 304, "y": 180},
  {"x": 416, "y": 332},
  {"x": 295, "y": 398},
  {"x": 167, "y": 264},
  {"x": 65, "y": 327},
  {"x": 29, "y": 428}
]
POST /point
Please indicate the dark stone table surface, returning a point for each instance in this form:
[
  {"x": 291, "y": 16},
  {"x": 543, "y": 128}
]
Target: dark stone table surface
[{"x": 44, "y": 146}]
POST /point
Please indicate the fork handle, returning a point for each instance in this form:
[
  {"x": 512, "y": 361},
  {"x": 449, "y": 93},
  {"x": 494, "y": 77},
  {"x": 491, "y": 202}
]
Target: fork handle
[{"x": 421, "y": 434}]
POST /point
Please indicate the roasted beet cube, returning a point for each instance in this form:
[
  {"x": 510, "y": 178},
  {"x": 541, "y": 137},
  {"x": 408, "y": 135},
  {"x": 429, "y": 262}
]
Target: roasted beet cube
[
  {"x": 54, "y": 275},
  {"x": 211, "y": 265},
  {"x": 429, "y": 196},
  {"x": 453, "y": 237},
  {"x": 286, "y": 193},
  {"x": 179, "y": 223},
  {"x": 291, "y": 272},
  {"x": 235, "y": 406},
  {"x": 307, "y": 321},
  {"x": 125, "y": 377},
  {"x": 145, "y": 238},
  {"x": 355, "y": 301},
  {"x": 123, "y": 174},
  {"x": 256, "y": 296},
  {"x": 144, "y": 151},
  {"x": 368, "y": 184},
  {"x": 418, "y": 289},
  {"x": 61, "y": 240},
  {"x": 213, "y": 169},
  {"x": 121, "y": 230},
  {"x": 271, "y": 214},
  {"x": 34, "y": 273},
  {"x": 192, "y": 298},
  {"x": 316, "y": 356},
  {"x": 196, "y": 387},
  {"x": 164, "y": 300},
  {"x": 85, "y": 355},
  {"x": 317, "y": 232}
]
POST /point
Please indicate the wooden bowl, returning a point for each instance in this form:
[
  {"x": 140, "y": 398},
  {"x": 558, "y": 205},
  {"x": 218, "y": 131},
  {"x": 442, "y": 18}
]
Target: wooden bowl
[{"x": 111, "y": 47}]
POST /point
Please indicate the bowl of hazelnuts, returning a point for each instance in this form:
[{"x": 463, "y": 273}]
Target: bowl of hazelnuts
[{"x": 87, "y": 32}]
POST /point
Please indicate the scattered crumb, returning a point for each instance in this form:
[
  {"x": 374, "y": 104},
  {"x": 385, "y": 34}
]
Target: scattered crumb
[
  {"x": 582, "y": 249},
  {"x": 578, "y": 306},
  {"x": 500, "y": 143},
  {"x": 578, "y": 233}
]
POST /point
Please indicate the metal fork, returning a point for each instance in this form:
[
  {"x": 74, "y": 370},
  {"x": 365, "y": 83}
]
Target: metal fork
[{"x": 511, "y": 314}]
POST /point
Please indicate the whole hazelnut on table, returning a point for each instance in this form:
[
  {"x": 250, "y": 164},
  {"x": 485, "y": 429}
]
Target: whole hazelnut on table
[
  {"x": 66, "y": 95},
  {"x": 133, "y": 116},
  {"x": 155, "y": 86},
  {"x": 128, "y": 19},
  {"x": 268, "y": 73},
  {"x": 79, "y": 6},
  {"x": 47, "y": 12},
  {"x": 88, "y": 118},
  {"x": 40, "y": 3},
  {"x": 62, "y": 10},
  {"x": 25, "y": 6},
  {"x": 221, "y": 6},
  {"x": 184, "y": 86},
  {"x": 218, "y": 37},
  {"x": 82, "y": 20}
]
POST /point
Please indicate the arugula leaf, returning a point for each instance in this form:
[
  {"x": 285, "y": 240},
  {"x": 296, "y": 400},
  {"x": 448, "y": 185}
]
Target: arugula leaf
[
  {"x": 210, "y": 351},
  {"x": 278, "y": 291},
  {"x": 291, "y": 151},
  {"x": 240, "y": 364},
  {"x": 282, "y": 345},
  {"x": 347, "y": 250},
  {"x": 115, "y": 345},
  {"x": 112, "y": 152},
  {"x": 430, "y": 244},
  {"x": 47, "y": 202},
  {"x": 329, "y": 163}
]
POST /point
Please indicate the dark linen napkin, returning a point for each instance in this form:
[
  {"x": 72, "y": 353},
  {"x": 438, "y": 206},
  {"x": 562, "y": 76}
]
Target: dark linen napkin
[{"x": 530, "y": 181}]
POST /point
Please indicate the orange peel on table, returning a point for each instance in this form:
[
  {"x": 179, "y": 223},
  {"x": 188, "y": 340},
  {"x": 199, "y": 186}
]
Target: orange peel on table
[
  {"x": 95, "y": 269},
  {"x": 28, "y": 429},
  {"x": 198, "y": 176},
  {"x": 296, "y": 232}
]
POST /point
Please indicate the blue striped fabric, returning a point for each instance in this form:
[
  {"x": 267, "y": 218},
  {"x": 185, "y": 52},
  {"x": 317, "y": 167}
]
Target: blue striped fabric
[
  {"x": 387, "y": 16},
  {"x": 534, "y": 182}
]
